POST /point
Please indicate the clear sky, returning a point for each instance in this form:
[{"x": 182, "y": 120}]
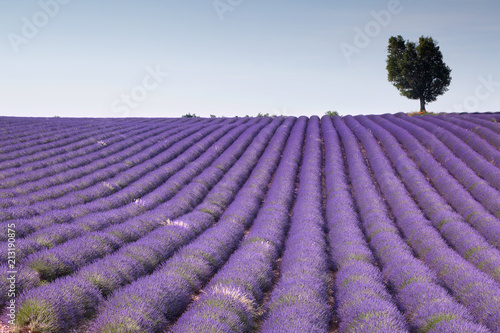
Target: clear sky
[{"x": 166, "y": 58}]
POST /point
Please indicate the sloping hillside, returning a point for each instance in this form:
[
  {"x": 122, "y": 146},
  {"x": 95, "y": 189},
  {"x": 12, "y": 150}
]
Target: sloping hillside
[{"x": 383, "y": 223}]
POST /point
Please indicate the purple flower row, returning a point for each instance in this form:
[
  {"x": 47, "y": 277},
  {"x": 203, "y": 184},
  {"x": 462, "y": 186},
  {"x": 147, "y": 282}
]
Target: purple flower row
[
  {"x": 448, "y": 187},
  {"x": 427, "y": 306},
  {"x": 489, "y": 152},
  {"x": 183, "y": 272},
  {"x": 454, "y": 229},
  {"x": 483, "y": 120},
  {"x": 16, "y": 129},
  {"x": 19, "y": 129},
  {"x": 70, "y": 256},
  {"x": 483, "y": 192},
  {"x": 14, "y": 165},
  {"x": 22, "y": 137},
  {"x": 29, "y": 159},
  {"x": 481, "y": 166},
  {"x": 485, "y": 133},
  {"x": 489, "y": 116},
  {"x": 120, "y": 189},
  {"x": 137, "y": 227},
  {"x": 179, "y": 172},
  {"x": 478, "y": 292},
  {"x": 360, "y": 292},
  {"x": 230, "y": 302},
  {"x": 77, "y": 163},
  {"x": 51, "y": 140},
  {"x": 299, "y": 300},
  {"x": 75, "y": 189}
]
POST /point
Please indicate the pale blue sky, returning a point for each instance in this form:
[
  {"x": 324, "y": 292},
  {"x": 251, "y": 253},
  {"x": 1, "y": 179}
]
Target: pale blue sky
[{"x": 94, "y": 58}]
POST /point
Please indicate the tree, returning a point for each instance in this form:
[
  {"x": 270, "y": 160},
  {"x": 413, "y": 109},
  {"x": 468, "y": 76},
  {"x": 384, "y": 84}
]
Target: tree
[
  {"x": 417, "y": 71},
  {"x": 332, "y": 113}
]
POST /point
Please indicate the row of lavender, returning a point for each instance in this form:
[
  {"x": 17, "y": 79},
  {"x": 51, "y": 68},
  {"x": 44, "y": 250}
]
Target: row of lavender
[
  {"x": 74, "y": 242},
  {"x": 369, "y": 224}
]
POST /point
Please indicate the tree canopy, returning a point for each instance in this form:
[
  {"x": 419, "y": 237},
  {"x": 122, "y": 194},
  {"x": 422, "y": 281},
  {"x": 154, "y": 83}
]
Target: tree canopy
[{"x": 417, "y": 71}]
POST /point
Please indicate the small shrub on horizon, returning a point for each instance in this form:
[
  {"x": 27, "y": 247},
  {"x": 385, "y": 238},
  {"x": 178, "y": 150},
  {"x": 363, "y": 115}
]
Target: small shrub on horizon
[
  {"x": 332, "y": 113},
  {"x": 189, "y": 115}
]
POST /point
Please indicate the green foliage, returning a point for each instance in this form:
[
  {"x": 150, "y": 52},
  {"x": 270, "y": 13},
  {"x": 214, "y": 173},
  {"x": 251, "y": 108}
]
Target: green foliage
[
  {"x": 213, "y": 116},
  {"x": 332, "y": 113},
  {"x": 37, "y": 316},
  {"x": 260, "y": 114},
  {"x": 434, "y": 320},
  {"x": 189, "y": 115},
  {"x": 418, "y": 72},
  {"x": 421, "y": 113}
]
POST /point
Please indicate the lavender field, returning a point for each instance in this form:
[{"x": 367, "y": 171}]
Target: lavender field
[{"x": 384, "y": 223}]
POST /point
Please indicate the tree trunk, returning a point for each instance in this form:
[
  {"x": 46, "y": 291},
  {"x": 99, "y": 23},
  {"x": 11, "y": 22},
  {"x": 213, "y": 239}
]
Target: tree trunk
[{"x": 422, "y": 104}]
